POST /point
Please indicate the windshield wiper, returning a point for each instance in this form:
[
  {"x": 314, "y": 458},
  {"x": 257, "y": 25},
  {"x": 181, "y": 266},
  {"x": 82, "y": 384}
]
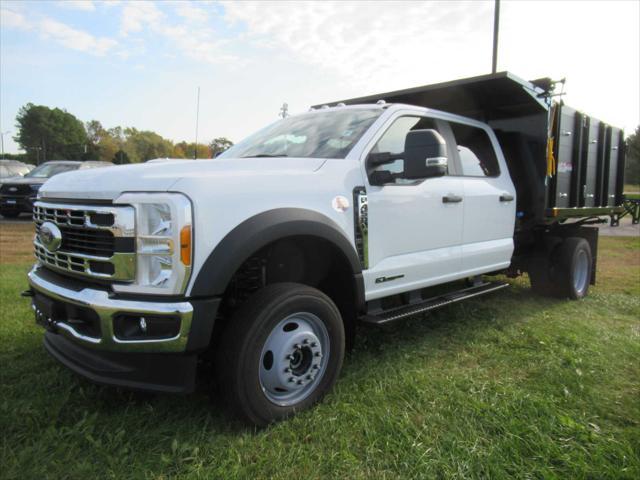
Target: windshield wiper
[{"x": 264, "y": 155}]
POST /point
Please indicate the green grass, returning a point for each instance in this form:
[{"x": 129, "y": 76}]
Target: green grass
[{"x": 512, "y": 385}]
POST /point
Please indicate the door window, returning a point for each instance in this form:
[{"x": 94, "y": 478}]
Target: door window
[
  {"x": 392, "y": 142},
  {"x": 477, "y": 156}
]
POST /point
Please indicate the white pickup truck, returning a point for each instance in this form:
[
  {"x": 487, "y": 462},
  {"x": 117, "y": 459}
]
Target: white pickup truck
[{"x": 270, "y": 255}]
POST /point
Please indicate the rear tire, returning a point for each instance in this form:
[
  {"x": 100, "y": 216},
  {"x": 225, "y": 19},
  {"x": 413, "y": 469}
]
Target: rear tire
[
  {"x": 566, "y": 272},
  {"x": 281, "y": 352},
  {"x": 571, "y": 268}
]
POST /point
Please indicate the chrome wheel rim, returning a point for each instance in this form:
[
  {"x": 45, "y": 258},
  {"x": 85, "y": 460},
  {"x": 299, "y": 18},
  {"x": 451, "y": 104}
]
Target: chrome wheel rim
[
  {"x": 294, "y": 358},
  {"x": 581, "y": 272}
]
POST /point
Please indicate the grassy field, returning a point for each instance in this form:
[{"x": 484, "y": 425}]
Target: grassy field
[{"x": 512, "y": 385}]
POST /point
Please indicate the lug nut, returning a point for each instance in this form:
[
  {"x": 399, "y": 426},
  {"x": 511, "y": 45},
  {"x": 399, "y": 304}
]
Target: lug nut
[
  {"x": 316, "y": 367},
  {"x": 291, "y": 379},
  {"x": 318, "y": 354},
  {"x": 309, "y": 377},
  {"x": 289, "y": 357},
  {"x": 297, "y": 346},
  {"x": 305, "y": 341},
  {"x": 287, "y": 370},
  {"x": 300, "y": 382},
  {"x": 314, "y": 344}
]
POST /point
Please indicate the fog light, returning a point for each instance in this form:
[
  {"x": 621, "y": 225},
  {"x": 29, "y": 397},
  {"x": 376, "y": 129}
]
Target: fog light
[{"x": 136, "y": 327}]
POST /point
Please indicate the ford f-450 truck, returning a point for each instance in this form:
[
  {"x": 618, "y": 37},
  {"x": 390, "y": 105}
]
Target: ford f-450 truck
[{"x": 268, "y": 257}]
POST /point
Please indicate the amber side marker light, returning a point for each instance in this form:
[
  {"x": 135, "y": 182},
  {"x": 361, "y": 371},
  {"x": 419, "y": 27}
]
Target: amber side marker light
[{"x": 185, "y": 245}]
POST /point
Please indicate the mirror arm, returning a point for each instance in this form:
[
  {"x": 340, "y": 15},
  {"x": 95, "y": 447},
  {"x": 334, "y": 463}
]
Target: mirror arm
[{"x": 377, "y": 159}]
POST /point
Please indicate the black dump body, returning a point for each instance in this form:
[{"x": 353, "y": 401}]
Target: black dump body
[{"x": 583, "y": 177}]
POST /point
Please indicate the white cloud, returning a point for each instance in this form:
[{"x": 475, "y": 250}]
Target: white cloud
[
  {"x": 194, "y": 41},
  {"x": 191, "y": 12},
  {"x": 138, "y": 15},
  {"x": 60, "y": 32},
  {"x": 85, "y": 5},
  {"x": 75, "y": 39},
  {"x": 12, "y": 19},
  {"x": 397, "y": 43}
]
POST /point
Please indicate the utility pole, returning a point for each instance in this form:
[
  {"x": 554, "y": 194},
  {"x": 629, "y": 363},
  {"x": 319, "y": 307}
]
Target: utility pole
[
  {"x": 2, "y": 134},
  {"x": 195, "y": 148},
  {"x": 496, "y": 26}
]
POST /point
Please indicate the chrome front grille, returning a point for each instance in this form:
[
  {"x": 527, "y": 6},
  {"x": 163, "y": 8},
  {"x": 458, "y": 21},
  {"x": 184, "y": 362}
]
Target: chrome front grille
[{"x": 97, "y": 241}]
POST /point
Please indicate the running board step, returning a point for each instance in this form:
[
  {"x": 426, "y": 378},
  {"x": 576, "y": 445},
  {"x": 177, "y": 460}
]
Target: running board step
[{"x": 393, "y": 314}]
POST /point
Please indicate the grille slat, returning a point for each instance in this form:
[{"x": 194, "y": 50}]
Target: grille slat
[{"x": 89, "y": 245}]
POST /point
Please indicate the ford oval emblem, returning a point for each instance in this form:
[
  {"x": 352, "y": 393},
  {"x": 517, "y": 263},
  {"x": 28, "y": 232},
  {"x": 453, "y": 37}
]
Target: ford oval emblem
[{"x": 50, "y": 236}]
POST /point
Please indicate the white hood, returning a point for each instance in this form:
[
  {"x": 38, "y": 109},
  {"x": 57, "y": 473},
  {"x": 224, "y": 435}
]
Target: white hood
[{"x": 109, "y": 183}]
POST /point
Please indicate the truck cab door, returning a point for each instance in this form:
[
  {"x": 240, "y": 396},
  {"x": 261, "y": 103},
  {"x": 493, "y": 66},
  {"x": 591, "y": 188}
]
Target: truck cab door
[
  {"x": 489, "y": 201},
  {"x": 414, "y": 225}
]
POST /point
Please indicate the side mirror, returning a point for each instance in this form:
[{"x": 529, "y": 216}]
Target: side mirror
[{"x": 425, "y": 154}]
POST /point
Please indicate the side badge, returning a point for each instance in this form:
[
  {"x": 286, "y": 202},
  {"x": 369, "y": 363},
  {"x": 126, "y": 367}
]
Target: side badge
[{"x": 340, "y": 204}]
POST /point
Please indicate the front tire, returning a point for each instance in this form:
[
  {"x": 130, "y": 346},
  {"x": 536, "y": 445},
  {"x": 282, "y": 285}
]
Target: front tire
[{"x": 281, "y": 352}]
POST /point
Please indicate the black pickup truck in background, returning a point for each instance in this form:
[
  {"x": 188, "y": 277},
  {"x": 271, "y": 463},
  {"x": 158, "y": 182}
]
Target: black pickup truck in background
[{"x": 18, "y": 194}]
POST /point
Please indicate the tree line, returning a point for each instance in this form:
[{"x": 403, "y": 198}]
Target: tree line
[{"x": 54, "y": 134}]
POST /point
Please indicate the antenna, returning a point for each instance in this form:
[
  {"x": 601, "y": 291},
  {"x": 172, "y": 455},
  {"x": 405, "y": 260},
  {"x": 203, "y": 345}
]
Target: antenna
[
  {"x": 195, "y": 147},
  {"x": 284, "y": 110}
]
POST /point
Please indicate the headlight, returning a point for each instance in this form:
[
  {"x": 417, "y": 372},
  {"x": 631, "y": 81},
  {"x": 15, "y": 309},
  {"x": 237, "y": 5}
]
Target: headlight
[{"x": 163, "y": 242}]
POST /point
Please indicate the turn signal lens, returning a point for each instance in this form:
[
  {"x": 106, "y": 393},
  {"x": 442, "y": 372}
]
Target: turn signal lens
[{"x": 185, "y": 245}]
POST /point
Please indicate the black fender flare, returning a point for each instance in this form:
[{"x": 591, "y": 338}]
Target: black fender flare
[{"x": 259, "y": 231}]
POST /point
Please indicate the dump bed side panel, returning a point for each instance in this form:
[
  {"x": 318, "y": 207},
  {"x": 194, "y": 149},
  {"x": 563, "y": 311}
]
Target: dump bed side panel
[
  {"x": 566, "y": 168},
  {"x": 588, "y": 162}
]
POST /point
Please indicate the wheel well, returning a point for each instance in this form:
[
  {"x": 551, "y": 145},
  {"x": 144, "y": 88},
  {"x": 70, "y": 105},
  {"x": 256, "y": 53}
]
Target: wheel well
[{"x": 308, "y": 260}]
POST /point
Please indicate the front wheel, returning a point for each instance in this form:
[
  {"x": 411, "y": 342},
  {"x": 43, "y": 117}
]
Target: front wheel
[{"x": 281, "y": 353}]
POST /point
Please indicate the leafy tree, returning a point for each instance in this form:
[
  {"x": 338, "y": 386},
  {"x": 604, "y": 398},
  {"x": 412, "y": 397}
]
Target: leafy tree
[
  {"x": 179, "y": 150},
  {"x": 144, "y": 145},
  {"x": 187, "y": 150},
  {"x": 219, "y": 145},
  {"x": 632, "y": 165},
  {"x": 50, "y": 134},
  {"x": 120, "y": 158}
]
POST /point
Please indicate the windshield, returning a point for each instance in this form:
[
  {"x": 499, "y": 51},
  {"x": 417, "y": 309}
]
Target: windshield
[
  {"x": 330, "y": 134},
  {"x": 48, "y": 170}
]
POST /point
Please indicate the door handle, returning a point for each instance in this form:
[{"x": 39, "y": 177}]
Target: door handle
[
  {"x": 505, "y": 197},
  {"x": 451, "y": 199}
]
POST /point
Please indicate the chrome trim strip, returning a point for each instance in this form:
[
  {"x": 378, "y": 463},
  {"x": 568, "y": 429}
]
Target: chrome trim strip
[
  {"x": 124, "y": 264},
  {"x": 107, "y": 308},
  {"x": 361, "y": 205},
  {"x": 123, "y": 216}
]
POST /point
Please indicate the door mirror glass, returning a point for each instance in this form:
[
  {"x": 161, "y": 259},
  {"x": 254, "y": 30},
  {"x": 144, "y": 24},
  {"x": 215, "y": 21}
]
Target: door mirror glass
[{"x": 425, "y": 154}]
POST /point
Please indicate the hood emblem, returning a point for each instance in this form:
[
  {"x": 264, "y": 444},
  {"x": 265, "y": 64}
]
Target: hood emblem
[
  {"x": 13, "y": 189},
  {"x": 50, "y": 236}
]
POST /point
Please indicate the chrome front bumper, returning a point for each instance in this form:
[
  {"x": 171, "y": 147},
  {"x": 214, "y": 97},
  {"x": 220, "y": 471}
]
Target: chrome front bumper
[{"x": 106, "y": 309}]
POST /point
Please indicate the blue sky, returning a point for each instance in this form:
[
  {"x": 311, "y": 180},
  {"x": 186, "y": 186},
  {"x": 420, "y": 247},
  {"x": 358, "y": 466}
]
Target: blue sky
[{"x": 139, "y": 63}]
